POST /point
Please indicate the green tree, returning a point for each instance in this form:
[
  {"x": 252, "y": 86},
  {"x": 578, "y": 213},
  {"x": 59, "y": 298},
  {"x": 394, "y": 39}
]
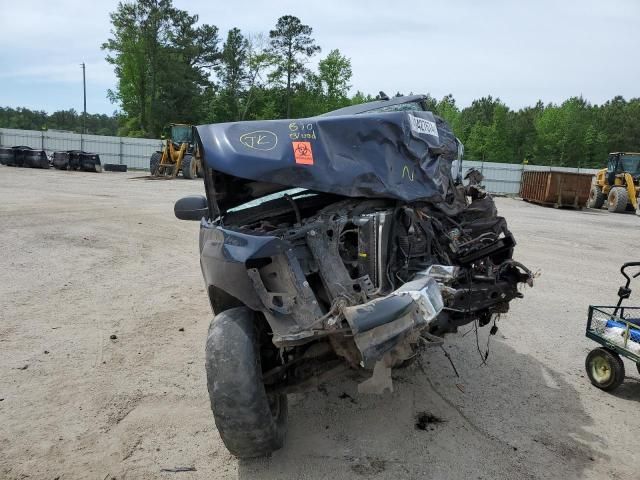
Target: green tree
[
  {"x": 594, "y": 149},
  {"x": 232, "y": 74},
  {"x": 360, "y": 97},
  {"x": 472, "y": 127},
  {"x": 550, "y": 135},
  {"x": 69, "y": 120},
  {"x": 498, "y": 136},
  {"x": 612, "y": 122},
  {"x": 523, "y": 131},
  {"x": 258, "y": 103},
  {"x": 192, "y": 53},
  {"x": 334, "y": 75},
  {"x": 447, "y": 109},
  {"x": 561, "y": 132},
  {"x": 162, "y": 61},
  {"x": 475, "y": 144},
  {"x": 631, "y": 127},
  {"x": 292, "y": 45},
  {"x": 310, "y": 99}
]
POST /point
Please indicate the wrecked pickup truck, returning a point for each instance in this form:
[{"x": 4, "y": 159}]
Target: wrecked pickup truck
[{"x": 337, "y": 242}]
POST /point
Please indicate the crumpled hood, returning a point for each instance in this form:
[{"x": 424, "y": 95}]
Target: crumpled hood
[{"x": 404, "y": 155}]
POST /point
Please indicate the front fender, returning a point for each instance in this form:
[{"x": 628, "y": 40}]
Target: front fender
[{"x": 223, "y": 258}]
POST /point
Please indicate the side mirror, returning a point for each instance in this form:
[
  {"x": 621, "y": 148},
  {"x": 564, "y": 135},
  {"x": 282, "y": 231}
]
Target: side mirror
[{"x": 193, "y": 207}]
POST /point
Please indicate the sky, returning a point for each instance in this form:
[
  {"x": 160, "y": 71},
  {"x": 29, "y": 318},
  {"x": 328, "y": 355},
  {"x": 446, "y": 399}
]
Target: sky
[{"x": 520, "y": 51}]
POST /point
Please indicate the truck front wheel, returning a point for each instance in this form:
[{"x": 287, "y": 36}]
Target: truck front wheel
[{"x": 250, "y": 422}]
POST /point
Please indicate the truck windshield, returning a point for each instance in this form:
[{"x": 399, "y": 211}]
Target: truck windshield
[
  {"x": 293, "y": 192},
  {"x": 630, "y": 163},
  {"x": 411, "y": 106}
]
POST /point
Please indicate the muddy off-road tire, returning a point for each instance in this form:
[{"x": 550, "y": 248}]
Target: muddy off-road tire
[
  {"x": 154, "y": 163},
  {"x": 596, "y": 198},
  {"x": 250, "y": 423},
  {"x": 604, "y": 368},
  {"x": 618, "y": 199},
  {"x": 189, "y": 167}
]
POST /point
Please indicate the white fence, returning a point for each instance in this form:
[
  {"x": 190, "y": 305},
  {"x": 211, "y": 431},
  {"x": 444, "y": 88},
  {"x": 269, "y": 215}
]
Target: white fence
[
  {"x": 135, "y": 153},
  {"x": 505, "y": 177}
]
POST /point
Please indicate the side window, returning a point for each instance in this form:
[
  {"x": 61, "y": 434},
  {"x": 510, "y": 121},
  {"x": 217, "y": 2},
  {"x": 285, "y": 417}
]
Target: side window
[{"x": 611, "y": 166}]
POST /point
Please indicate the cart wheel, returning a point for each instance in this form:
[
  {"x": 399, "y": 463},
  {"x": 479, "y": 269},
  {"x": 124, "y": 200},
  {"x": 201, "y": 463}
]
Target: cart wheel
[{"x": 604, "y": 368}]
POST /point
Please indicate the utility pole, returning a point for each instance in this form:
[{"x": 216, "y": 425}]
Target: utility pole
[{"x": 84, "y": 90}]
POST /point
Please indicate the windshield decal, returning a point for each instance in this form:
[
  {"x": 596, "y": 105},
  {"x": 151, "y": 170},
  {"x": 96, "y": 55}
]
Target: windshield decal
[{"x": 422, "y": 125}]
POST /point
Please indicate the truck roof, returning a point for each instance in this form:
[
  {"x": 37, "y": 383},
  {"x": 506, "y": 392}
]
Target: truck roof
[{"x": 368, "y": 106}]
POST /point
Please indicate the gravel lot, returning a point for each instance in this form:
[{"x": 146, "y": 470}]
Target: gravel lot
[{"x": 86, "y": 256}]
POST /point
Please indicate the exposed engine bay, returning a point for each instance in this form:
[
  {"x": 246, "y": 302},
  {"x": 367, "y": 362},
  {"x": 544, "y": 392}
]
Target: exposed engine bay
[
  {"x": 368, "y": 278},
  {"x": 359, "y": 244}
]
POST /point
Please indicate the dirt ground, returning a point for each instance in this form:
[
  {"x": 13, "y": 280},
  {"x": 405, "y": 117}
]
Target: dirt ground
[{"x": 87, "y": 256}]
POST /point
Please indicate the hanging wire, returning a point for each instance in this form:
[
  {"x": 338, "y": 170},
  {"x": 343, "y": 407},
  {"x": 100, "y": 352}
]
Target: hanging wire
[{"x": 446, "y": 354}]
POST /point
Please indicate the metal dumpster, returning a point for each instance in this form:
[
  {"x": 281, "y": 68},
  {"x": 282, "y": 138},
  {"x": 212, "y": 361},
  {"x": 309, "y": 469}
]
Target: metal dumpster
[{"x": 556, "y": 189}]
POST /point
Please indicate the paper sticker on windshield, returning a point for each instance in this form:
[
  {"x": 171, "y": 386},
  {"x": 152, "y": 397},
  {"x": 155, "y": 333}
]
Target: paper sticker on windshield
[
  {"x": 303, "y": 153},
  {"x": 420, "y": 125}
]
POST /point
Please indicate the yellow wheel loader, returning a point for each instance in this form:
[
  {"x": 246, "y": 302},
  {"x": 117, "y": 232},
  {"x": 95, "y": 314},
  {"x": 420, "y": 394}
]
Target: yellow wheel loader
[
  {"x": 618, "y": 184},
  {"x": 179, "y": 154}
]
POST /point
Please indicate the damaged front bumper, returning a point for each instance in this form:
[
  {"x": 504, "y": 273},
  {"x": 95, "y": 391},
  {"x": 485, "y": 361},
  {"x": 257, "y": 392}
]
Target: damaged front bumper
[
  {"x": 262, "y": 273},
  {"x": 382, "y": 324}
]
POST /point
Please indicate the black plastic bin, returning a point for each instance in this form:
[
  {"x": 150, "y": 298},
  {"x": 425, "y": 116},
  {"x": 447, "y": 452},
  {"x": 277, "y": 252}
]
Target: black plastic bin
[
  {"x": 26, "y": 157},
  {"x": 77, "y": 160}
]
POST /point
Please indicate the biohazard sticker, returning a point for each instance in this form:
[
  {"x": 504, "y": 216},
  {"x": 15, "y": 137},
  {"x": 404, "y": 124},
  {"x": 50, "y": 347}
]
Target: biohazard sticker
[{"x": 303, "y": 153}]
